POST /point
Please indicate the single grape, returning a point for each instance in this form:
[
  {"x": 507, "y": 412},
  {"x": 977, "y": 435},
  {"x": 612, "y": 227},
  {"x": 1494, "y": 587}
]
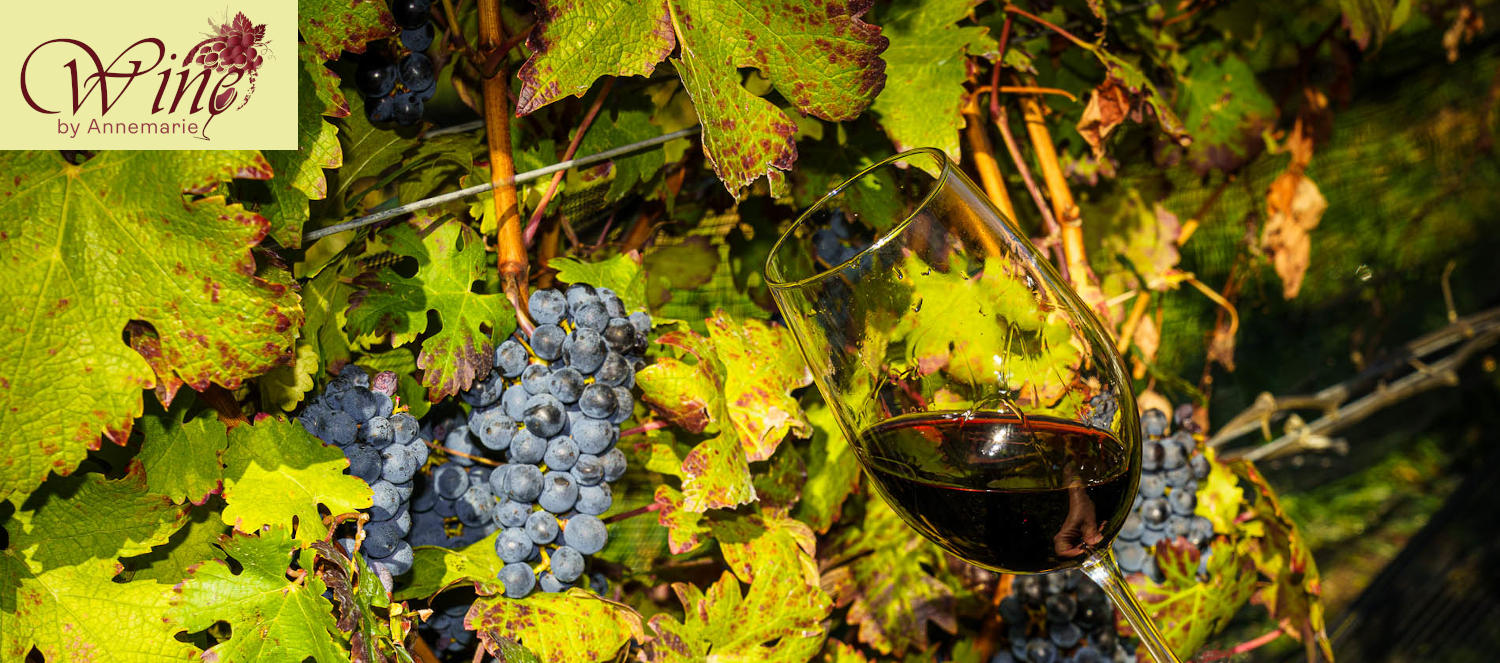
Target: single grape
[
  {"x": 579, "y": 294},
  {"x": 619, "y": 335},
  {"x": 544, "y": 416},
  {"x": 536, "y": 379},
  {"x": 477, "y": 505},
  {"x": 499, "y": 481},
  {"x": 404, "y": 427},
  {"x": 559, "y": 492},
  {"x": 547, "y": 341},
  {"x": 588, "y": 470},
  {"x": 1183, "y": 502},
  {"x": 1179, "y": 527},
  {"x": 549, "y": 583},
  {"x": 1151, "y": 456},
  {"x": 514, "y": 403},
  {"x": 340, "y": 429},
  {"x": 486, "y": 391},
  {"x": 584, "y": 350},
  {"x": 450, "y": 481},
  {"x": 402, "y": 520},
  {"x": 386, "y": 500},
  {"x": 597, "y": 401},
  {"x": 562, "y": 452},
  {"x": 399, "y": 562},
  {"x": 1130, "y": 557},
  {"x": 408, "y": 109},
  {"x": 624, "y": 406},
  {"x": 1181, "y": 477},
  {"x": 1201, "y": 533},
  {"x": 614, "y": 465},
  {"x": 1154, "y": 423},
  {"x": 548, "y": 307},
  {"x": 642, "y": 323},
  {"x": 398, "y": 464},
  {"x": 1012, "y": 611},
  {"x": 1174, "y": 455},
  {"x": 1151, "y": 536},
  {"x": 364, "y": 461},
  {"x": 458, "y": 440},
  {"x": 594, "y": 500},
  {"x": 1031, "y": 589},
  {"x": 511, "y": 358},
  {"x": 1131, "y": 530},
  {"x": 1153, "y": 571},
  {"x": 585, "y": 533},
  {"x": 1041, "y": 651},
  {"x": 525, "y": 483},
  {"x": 314, "y": 419},
  {"x": 1154, "y": 511},
  {"x": 377, "y": 432},
  {"x": 527, "y": 449},
  {"x": 513, "y": 545},
  {"x": 1153, "y": 484},
  {"x": 594, "y": 436},
  {"x": 1065, "y": 634},
  {"x": 419, "y": 38},
  {"x": 541, "y": 527},
  {"x": 1061, "y": 607},
  {"x": 567, "y": 384},
  {"x": 614, "y": 371},
  {"x": 592, "y": 315},
  {"x": 567, "y": 563},
  {"x": 512, "y": 514},
  {"x": 1199, "y": 466},
  {"x": 1087, "y": 654},
  {"x": 375, "y": 78},
  {"x": 518, "y": 579},
  {"x": 612, "y": 303},
  {"x": 381, "y": 539},
  {"x": 493, "y": 428}
]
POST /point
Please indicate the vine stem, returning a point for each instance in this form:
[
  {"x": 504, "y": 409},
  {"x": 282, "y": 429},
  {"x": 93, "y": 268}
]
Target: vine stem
[
  {"x": 632, "y": 513},
  {"x": 456, "y": 33},
  {"x": 477, "y": 189},
  {"x": 510, "y": 250},
  {"x": 1002, "y": 122},
  {"x": 1132, "y": 321},
  {"x": 1012, "y": 9},
  {"x": 423, "y": 650},
  {"x": 645, "y": 428},
  {"x": 583, "y": 127},
  {"x": 460, "y": 454},
  {"x": 983, "y": 153},
  {"x": 1063, "y": 206},
  {"x": 1241, "y": 648}
]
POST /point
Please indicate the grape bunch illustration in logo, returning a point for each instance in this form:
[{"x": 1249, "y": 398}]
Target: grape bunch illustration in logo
[{"x": 237, "y": 45}]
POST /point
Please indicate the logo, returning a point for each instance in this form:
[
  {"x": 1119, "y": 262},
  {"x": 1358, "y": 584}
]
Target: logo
[{"x": 147, "y": 80}]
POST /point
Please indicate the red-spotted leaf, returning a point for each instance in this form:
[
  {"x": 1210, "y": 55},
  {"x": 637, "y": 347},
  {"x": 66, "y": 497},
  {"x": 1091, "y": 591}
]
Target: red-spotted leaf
[
  {"x": 450, "y": 258},
  {"x": 761, "y": 368},
  {"x": 1187, "y": 609},
  {"x": 926, "y": 65},
  {"x": 331, "y": 26},
  {"x": 716, "y": 475},
  {"x": 575, "y": 627},
  {"x": 299, "y": 173},
  {"x": 86, "y": 249},
  {"x": 821, "y": 57},
  {"x": 685, "y": 529},
  {"x": 778, "y": 620},
  {"x": 881, "y": 571},
  {"x": 754, "y": 542}
]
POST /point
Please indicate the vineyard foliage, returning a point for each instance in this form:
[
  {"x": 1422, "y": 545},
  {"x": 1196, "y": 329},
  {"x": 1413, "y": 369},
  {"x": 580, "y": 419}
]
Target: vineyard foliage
[{"x": 165, "y": 318}]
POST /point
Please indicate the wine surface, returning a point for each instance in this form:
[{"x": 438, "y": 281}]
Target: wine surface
[{"x": 1010, "y": 494}]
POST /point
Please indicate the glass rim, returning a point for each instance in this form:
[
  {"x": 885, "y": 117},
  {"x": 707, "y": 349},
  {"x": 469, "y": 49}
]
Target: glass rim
[{"x": 776, "y": 282}]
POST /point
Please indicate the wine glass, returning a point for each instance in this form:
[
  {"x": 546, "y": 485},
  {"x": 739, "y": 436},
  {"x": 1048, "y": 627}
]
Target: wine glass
[{"x": 979, "y": 392}]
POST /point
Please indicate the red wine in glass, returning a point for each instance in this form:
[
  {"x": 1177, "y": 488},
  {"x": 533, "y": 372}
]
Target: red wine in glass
[{"x": 1013, "y": 494}]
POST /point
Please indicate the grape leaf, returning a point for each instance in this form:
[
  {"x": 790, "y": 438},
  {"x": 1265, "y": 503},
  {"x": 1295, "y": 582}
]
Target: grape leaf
[
  {"x": 91, "y": 247},
  {"x": 1224, "y": 108},
  {"x": 575, "y": 626},
  {"x": 822, "y": 59},
  {"x": 172, "y": 561},
  {"x": 270, "y": 617},
  {"x": 57, "y": 588},
  {"x": 716, "y": 475},
  {"x": 183, "y": 459},
  {"x": 79, "y": 613},
  {"x": 1186, "y": 610},
  {"x": 832, "y": 472},
  {"x": 925, "y": 71},
  {"x": 752, "y": 542},
  {"x": 890, "y": 594},
  {"x": 369, "y": 152},
  {"x": 839, "y": 651},
  {"x": 778, "y": 620},
  {"x": 435, "y": 569},
  {"x": 623, "y": 127},
  {"x": 1372, "y": 20},
  {"x": 330, "y": 26},
  {"x": 621, "y": 273},
  {"x": 450, "y": 258},
  {"x": 685, "y": 529},
  {"x": 685, "y": 265},
  {"x": 762, "y": 366},
  {"x": 299, "y": 173},
  {"x": 276, "y": 474}
]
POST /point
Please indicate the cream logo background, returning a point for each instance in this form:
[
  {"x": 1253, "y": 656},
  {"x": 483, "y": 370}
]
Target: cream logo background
[{"x": 186, "y": 75}]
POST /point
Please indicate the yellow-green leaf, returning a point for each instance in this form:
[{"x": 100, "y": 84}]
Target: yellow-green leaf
[
  {"x": 577, "y": 626},
  {"x": 276, "y": 474}
]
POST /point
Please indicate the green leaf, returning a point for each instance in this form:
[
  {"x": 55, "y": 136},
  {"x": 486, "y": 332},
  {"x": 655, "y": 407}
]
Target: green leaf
[
  {"x": 331, "y": 26},
  {"x": 299, "y": 173},
  {"x": 435, "y": 569},
  {"x": 450, "y": 258},
  {"x": 716, "y": 475},
  {"x": 685, "y": 529},
  {"x": 369, "y": 151},
  {"x": 1371, "y": 20},
  {"x": 172, "y": 561},
  {"x": 887, "y": 587},
  {"x": 925, "y": 71},
  {"x": 756, "y": 542},
  {"x": 832, "y": 471},
  {"x": 183, "y": 459},
  {"x": 686, "y": 265},
  {"x": 824, "y": 60},
  {"x": 88, "y": 248},
  {"x": 98, "y": 518},
  {"x": 1224, "y": 109},
  {"x": 779, "y": 620},
  {"x": 762, "y": 366},
  {"x": 623, "y": 127},
  {"x": 270, "y": 617},
  {"x": 575, "y": 626},
  {"x": 283, "y": 387},
  {"x": 1185, "y": 609},
  {"x": 620, "y": 273},
  {"x": 276, "y": 474},
  {"x": 78, "y": 613}
]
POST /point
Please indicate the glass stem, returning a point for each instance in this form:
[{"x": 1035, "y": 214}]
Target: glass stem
[{"x": 1102, "y": 569}]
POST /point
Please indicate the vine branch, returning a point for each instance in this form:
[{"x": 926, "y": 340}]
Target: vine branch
[
  {"x": 1063, "y": 206},
  {"x": 583, "y": 127},
  {"x": 1478, "y": 332},
  {"x": 983, "y": 152},
  {"x": 511, "y": 251}
]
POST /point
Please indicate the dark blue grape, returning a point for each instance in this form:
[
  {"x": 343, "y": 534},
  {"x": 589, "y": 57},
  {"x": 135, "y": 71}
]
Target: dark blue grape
[
  {"x": 1178, "y": 527},
  {"x": 364, "y": 461},
  {"x": 314, "y": 419},
  {"x": 408, "y": 108},
  {"x": 340, "y": 429},
  {"x": 1041, "y": 651},
  {"x": 584, "y": 350},
  {"x": 458, "y": 440},
  {"x": 511, "y": 358},
  {"x": 614, "y": 465},
  {"x": 548, "y": 307},
  {"x": 562, "y": 452},
  {"x": 537, "y": 379},
  {"x": 594, "y": 500},
  {"x": 386, "y": 500},
  {"x": 525, "y": 483},
  {"x": 1064, "y": 634},
  {"x": 514, "y": 403},
  {"x": 642, "y": 323},
  {"x": 1131, "y": 530},
  {"x": 518, "y": 579},
  {"x": 579, "y": 294},
  {"x": 400, "y": 560},
  {"x": 527, "y": 449},
  {"x": 567, "y": 384},
  {"x": 614, "y": 371},
  {"x": 419, "y": 38},
  {"x": 404, "y": 427},
  {"x": 512, "y": 514},
  {"x": 1199, "y": 466},
  {"x": 1183, "y": 502},
  {"x": 410, "y": 13},
  {"x": 1087, "y": 654},
  {"x": 591, "y": 315},
  {"x": 450, "y": 481},
  {"x": 619, "y": 335},
  {"x": 1012, "y": 611},
  {"x": 1130, "y": 556},
  {"x": 375, "y": 78},
  {"x": 549, "y": 583},
  {"x": 493, "y": 428},
  {"x": 484, "y": 392},
  {"x": 567, "y": 563},
  {"x": 588, "y": 470},
  {"x": 585, "y": 533},
  {"x": 597, "y": 401},
  {"x": 477, "y": 505},
  {"x": 1151, "y": 456},
  {"x": 594, "y": 436},
  {"x": 544, "y": 416},
  {"x": 1174, "y": 454},
  {"x": 1201, "y": 532},
  {"x": 1154, "y": 511},
  {"x": 624, "y": 406},
  {"x": 1154, "y": 423},
  {"x": 547, "y": 341},
  {"x": 1153, "y": 484},
  {"x": 559, "y": 492},
  {"x": 398, "y": 464},
  {"x": 381, "y": 539},
  {"x": 542, "y": 527},
  {"x": 514, "y": 545},
  {"x": 1061, "y": 607}
]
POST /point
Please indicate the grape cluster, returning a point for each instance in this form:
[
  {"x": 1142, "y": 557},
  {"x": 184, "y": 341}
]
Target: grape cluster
[
  {"x": 1171, "y": 467},
  {"x": 1060, "y": 618},
  {"x": 384, "y": 448},
  {"x": 551, "y": 408},
  {"x": 231, "y": 47},
  {"x": 399, "y": 90}
]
